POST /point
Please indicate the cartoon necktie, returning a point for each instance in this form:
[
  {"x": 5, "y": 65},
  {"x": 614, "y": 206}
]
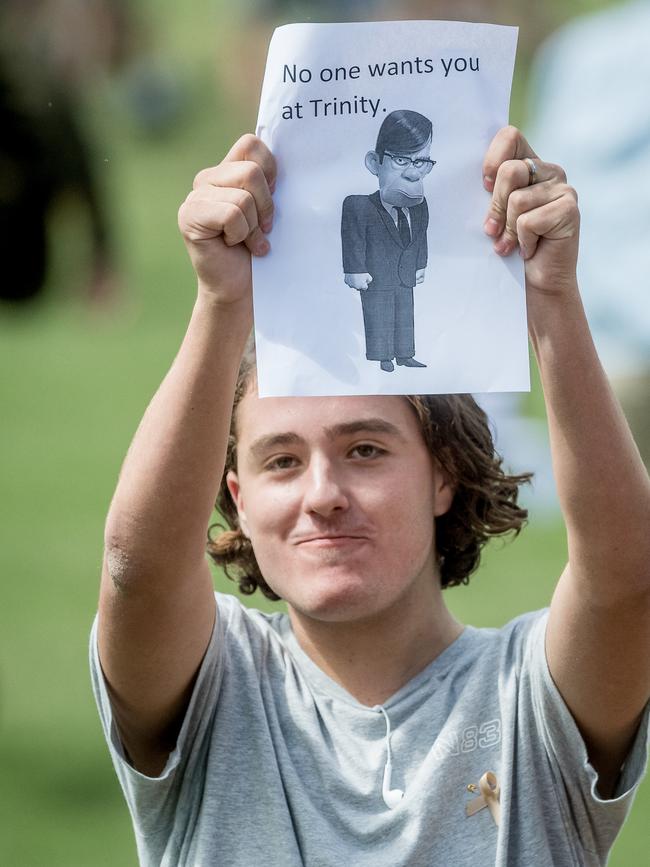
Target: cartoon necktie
[{"x": 403, "y": 228}]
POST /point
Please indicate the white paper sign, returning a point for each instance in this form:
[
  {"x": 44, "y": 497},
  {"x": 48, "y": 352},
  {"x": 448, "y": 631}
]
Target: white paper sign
[{"x": 379, "y": 262}]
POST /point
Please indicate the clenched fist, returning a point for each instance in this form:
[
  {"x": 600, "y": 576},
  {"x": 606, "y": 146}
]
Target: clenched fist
[{"x": 225, "y": 217}]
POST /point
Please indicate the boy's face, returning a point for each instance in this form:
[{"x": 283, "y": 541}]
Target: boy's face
[
  {"x": 401, "y": 186},
  {"x": 338, "y": 496}
]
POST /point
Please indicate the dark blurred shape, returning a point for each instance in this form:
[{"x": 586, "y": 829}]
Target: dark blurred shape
[
  {"x": 49, "y": 52},
  {"x": 43, "y": 154},
  {"x": 24, "y": 200},
  {"x": 52, "y": 54}
]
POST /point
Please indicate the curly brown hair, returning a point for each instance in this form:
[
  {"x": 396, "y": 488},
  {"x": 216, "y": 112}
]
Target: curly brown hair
[{"x": 456, "y": 431}]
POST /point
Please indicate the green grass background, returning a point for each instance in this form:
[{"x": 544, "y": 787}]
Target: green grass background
[{"x": 73, "y": 388}]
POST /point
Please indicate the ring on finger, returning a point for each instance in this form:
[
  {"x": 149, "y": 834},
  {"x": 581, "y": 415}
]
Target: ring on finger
[{"x": 532, "y": 170}]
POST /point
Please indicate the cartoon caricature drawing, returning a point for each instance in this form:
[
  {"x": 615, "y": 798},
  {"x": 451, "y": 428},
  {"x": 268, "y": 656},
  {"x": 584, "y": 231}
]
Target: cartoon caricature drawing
[{"x": 384, "y": 237}]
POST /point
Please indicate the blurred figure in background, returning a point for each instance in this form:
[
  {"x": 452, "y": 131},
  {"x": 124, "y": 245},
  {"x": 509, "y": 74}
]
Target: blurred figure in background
[
  {"x": 253, "y": 22},
  {"x": 52, "y": 53},
  {"x": 48, "y": 52},
  {"x": 535, "y": 20},
  {"x": 249, "y": 31},
  {"x": 590, "y": 113}
]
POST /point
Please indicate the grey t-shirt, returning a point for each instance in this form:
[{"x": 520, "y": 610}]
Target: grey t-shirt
[{"x": 277, "y": 764}]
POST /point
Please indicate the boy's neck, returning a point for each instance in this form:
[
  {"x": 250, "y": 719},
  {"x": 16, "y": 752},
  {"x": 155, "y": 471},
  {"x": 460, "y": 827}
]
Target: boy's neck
[{"x": 373, "y": 658}]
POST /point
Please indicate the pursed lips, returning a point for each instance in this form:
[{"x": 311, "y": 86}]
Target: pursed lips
[{"x": 330, "y": 539}]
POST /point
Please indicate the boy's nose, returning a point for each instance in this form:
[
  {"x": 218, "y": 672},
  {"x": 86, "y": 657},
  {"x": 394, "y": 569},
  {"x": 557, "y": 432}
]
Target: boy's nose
[{"x": 324, "y": 494}]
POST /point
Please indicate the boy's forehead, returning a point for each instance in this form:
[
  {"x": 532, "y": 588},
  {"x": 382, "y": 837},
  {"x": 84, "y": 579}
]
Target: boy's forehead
[{"x": 306, "y": 415}]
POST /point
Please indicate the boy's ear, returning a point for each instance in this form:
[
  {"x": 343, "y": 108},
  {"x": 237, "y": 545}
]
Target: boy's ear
[
  {"x": 373, "y": 162},
  {"x": 232, "y": 482},
  {"x": 443, "y": 491}
]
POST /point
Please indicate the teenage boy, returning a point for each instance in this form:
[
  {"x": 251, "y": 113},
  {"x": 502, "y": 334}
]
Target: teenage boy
[{"x": 367, "y": 726}]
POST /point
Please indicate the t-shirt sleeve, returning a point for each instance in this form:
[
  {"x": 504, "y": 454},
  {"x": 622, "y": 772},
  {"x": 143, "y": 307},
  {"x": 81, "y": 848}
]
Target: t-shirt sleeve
[
  {"x": 152, "y": 801},
  {"x": 597, "y": 819}
]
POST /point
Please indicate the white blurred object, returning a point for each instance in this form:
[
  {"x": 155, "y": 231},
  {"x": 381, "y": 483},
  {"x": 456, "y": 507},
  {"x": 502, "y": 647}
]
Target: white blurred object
[{"x": 590, "y": 112}]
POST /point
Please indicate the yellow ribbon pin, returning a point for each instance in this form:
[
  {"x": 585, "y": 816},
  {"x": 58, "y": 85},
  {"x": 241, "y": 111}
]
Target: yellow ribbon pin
[{"x": 489, "y": 797}]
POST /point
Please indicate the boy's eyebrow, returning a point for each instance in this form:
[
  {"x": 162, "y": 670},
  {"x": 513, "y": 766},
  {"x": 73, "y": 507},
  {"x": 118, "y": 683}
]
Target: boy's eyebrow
[
  {"x": 262, "y": 445},
  {"x": 364, "y": 425},
  {"x": 287, "y": 438}
]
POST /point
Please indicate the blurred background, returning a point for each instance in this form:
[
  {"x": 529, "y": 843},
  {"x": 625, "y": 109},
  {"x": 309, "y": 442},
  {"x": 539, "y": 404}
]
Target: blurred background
[{"x": 108, "y": 110}]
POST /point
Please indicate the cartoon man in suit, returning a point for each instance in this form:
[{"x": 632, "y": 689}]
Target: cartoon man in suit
[{"x": 384, "y": 237}]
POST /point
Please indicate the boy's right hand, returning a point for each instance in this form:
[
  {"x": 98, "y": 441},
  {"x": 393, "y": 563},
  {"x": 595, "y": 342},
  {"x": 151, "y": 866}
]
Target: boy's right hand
[{"x": 224, "y": 218}]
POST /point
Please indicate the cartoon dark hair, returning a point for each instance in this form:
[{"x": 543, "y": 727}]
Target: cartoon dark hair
[
  {"x": 403, "y": 132},
  {"x": 456, "y": 431}
]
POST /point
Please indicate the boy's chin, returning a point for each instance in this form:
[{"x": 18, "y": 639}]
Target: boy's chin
[{"x": 334, "y": 603}]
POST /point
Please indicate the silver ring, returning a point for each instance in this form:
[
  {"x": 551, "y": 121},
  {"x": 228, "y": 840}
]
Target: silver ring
[{"x": 532, "y": 170}]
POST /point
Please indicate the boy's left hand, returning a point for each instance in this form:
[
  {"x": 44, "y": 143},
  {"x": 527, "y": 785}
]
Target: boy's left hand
[{"x": 537, "y": 212}]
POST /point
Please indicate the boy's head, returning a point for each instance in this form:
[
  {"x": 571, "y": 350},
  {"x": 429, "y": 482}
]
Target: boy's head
[{"x": 360, "y": 494}]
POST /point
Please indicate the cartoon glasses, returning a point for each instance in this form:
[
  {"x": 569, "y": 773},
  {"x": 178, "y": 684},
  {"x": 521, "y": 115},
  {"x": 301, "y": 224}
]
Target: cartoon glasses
[{"x": 420, "y": 164}]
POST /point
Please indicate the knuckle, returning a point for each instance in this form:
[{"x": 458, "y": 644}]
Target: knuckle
[
  {"x": 200, "y": 179},
  {"x": 248, "y": 141},
  {"x": 558, "y": 172},
  {"x": 523, "y": 223},
  {"x": 511, "y": 134},
  {"x": 231, "y": 213},
  {"x": 251, "y": 173},
  {"x": 186, "y": 207},
  {"x": 510, "y": 171},
  {"x": 568, "y": 201},
  {"x": 571, "y": 209},
  {"x": 244, "y": 200},
  {"x": 572, "y": 192},
  {"x": 517, "y": 201}
]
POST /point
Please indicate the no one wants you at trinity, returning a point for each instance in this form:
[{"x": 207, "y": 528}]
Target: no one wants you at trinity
[{"x": 363, "y": 104}]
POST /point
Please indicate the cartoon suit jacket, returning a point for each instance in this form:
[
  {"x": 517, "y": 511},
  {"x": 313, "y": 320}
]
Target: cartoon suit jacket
[{"x": 371, "y": 242}]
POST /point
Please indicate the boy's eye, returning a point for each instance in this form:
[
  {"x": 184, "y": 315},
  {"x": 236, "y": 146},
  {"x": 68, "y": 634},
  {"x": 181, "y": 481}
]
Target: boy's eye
[
  {"x": 367, "y": 450},
  {"x": 282, "y": 462}
]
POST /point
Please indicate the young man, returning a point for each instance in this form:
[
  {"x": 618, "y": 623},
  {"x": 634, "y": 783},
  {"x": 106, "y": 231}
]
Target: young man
[{"x": 367, "y": 726}]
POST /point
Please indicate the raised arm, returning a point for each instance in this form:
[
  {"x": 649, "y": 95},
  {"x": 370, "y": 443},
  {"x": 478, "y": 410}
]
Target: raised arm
[
  {"x": 156, "y": 606},
  {"x": 598, "y": 636}
]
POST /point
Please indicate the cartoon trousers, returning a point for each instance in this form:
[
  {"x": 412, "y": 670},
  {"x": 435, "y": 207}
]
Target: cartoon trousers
[{"x": 388, "y": 323}]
